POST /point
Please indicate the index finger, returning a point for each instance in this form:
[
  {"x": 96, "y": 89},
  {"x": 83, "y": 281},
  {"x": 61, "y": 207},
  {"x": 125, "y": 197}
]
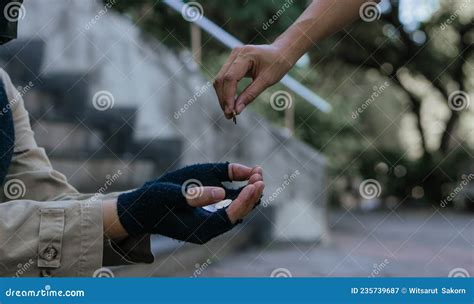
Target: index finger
[
  {"x": 255, "y": 88},
  {"x": 237, "y": 70},
  {"x": 219, "y": 80},
  {"x": 238, "y": 172},
  {"x": 203, "y": 196}
]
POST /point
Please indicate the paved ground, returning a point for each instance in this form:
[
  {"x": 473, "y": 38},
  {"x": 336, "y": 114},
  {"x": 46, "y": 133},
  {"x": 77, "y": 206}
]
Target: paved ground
[{"x": 409, "y": 243}]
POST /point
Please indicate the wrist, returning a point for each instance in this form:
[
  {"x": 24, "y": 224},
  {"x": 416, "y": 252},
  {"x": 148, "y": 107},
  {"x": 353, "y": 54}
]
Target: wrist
[
  {"x": 113, "y": 228},
  {"x": 288, "y": 53},
  {"x": 292, "y": 49}
]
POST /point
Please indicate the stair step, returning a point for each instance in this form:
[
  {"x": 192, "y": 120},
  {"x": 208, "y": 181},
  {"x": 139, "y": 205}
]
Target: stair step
[{"x": 90, "y": 175}]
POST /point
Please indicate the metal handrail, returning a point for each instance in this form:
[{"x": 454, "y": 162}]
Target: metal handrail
[{"x": 230, "y": 41}]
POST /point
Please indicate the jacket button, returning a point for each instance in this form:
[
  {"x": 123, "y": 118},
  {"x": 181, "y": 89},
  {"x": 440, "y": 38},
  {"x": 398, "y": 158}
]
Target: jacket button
[{"x": 50, "y": 253}]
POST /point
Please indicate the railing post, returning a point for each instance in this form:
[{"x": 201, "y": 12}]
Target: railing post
[
  {"x": 290, "y": 119},
  {"x": 196, "y": 43}
]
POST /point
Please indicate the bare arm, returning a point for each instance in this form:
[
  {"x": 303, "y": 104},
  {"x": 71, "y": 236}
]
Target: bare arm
[
  {"x": 321, "y": 19},
  {"x": 267, "y": 64}
]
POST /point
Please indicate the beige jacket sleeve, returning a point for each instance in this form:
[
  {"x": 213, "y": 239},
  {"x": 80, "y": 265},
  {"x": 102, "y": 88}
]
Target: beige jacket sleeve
[{"x": 47, "y": 228}]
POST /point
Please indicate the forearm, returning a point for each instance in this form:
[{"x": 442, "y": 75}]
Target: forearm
[{"x": 321, "y": 19}]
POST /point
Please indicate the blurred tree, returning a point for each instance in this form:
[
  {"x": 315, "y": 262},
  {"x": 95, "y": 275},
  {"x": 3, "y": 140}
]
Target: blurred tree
[
  {"x": 429, "y": 62},
  {"x": 438, "y": 52}
]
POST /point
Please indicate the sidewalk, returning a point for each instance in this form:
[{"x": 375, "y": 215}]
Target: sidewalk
[{"x": 407, "y": 243}]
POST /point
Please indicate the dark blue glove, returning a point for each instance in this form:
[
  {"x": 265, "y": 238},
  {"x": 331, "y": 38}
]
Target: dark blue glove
[
  {"x": 212, "y": 174},
  {"x": 161, "y": 208}
]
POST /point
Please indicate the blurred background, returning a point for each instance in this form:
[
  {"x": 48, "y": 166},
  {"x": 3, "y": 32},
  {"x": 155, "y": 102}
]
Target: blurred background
[{"x": 378, "y": 184}]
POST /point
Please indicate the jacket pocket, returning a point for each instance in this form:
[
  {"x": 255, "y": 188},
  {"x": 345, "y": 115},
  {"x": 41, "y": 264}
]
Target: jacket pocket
[{"x": 50, "y": 237}]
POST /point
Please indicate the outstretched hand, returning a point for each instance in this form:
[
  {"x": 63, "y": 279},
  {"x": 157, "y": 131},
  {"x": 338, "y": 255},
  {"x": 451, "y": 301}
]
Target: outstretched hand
[
  {"x": 203, "y": 184},
  {"x": 265, "y": 64}
]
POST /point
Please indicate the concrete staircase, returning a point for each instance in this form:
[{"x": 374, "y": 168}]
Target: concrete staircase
[{"x": 83, "y": 143}]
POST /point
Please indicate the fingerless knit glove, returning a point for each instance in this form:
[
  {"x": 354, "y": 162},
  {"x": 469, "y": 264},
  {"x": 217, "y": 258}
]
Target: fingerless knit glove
[
  {"x": 212, "y": 174},
  {"x": 161, "y": 208}
]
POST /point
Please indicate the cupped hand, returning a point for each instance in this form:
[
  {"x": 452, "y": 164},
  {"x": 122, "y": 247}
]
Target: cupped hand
[
  {"x": 167, "y": 206},
  {"x": 211, "y": 176}
]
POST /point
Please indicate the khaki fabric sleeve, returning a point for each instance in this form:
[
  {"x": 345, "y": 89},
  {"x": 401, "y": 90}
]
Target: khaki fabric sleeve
[
  {"x": 60, "y": 238},
  {"x": 45, "y": 223}
]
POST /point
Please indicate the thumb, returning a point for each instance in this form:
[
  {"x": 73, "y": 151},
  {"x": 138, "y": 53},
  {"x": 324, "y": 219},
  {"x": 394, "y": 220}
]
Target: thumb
[
  {"x": 203, "y": 196},
  {"x": 242, "y": 204},
  {"x": 250, "y": 93}
]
